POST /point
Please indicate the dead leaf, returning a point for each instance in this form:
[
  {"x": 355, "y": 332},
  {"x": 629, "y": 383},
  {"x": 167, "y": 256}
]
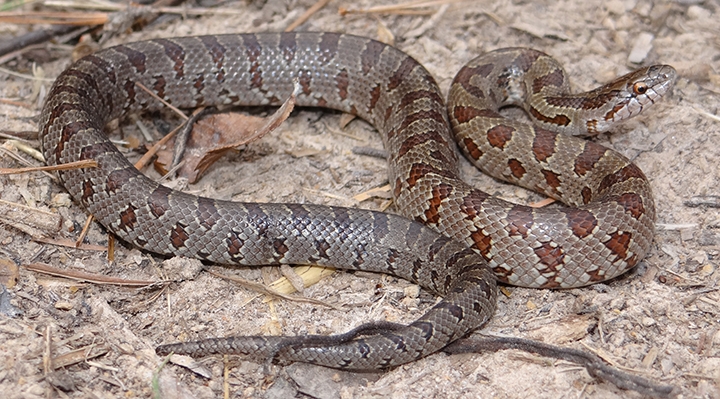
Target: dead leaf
[
  {"x": 8, "y": 273},
  {"x": 215, "y": 135}
]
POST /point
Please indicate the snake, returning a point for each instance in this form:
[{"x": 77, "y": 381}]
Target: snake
[{"x": 450, "y": 238}]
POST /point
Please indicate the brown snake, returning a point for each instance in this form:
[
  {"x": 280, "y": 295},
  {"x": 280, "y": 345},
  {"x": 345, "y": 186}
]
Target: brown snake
[{"x": 606, "y": 230}]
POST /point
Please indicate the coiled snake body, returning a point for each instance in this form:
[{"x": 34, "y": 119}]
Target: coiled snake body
[{"x": 607, "y": 230}]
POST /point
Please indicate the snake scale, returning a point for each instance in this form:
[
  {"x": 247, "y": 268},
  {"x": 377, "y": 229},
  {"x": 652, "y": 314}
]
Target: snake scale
[{"x": 452, "y": 237}]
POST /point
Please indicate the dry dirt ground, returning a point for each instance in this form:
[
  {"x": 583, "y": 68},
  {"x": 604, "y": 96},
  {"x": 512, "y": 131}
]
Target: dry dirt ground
[{"x": 661, "y": 320}]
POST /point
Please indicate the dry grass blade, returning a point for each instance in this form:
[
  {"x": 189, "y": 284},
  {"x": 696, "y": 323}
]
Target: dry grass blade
[
  {"x": 257, "y": 287},
  {"x": 403, "y": 8},
  {"x": 66, "y": 166},
  {"x": 307, "y": 14},
  {"x": 167, "y": 104},
  {"x": 88, "y": 277}
]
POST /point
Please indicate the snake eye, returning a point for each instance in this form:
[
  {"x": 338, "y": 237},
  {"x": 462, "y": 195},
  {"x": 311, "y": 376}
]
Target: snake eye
[{"x": 640, "y": 88}]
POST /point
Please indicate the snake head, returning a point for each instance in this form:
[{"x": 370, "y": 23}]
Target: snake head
[{"x": 634, "y": 92}]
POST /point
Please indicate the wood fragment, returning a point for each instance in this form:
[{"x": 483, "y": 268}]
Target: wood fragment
[
  {"x": 33, "y": 38},
  {"x": 78, "y": 356},
  {"x": 53, "y": 18},
  {"x": 48, "y": 223},
  {"x": 84, "y": 231}
]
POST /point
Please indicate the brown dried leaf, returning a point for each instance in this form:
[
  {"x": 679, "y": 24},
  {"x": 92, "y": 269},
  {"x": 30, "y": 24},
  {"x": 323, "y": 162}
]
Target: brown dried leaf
[
  {"x": 213, "y": 136},
  {"x": 8, "y": 273}
]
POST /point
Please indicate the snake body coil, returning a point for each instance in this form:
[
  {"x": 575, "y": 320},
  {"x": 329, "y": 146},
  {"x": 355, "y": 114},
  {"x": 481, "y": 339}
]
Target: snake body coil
[{"x": 606, "y": 232}]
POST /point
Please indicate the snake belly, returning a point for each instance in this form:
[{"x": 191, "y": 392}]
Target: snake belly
[{"x": 607, "y": 234}]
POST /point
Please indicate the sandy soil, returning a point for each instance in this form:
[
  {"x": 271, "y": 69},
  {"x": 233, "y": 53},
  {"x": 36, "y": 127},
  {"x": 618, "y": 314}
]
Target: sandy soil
[{"x": 661, "y": 320}]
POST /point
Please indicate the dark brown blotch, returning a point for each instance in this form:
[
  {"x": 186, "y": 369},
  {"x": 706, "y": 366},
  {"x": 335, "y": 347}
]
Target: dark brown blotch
[
  {"x": 103, "y": 65},
  {"x": 630, "y": 171},
  {"x": 543, "y": 144},
  {"x": 464, "y": 114},
  {"x": 412, "y": 96},
  {"x": 253, "y": 51},
  {"x": 375, "y": 97},
  {"x": 342, "y": 81},
  {"x": 159, "y": 201},
  {"x": 552, "y": 179},
  {"x": 322, "y": 246},
  {"x": 520, "y": 221},
  {"x": 555, "y": 78},
  {"x": 463, "y": 78},
  {"x": 370, "y": 56},
  {"x": 404, "y": 70},
  {"x": 328, "y": 47},
  {"x": 207, "y": 213},
  {"x": 129, "y": 88},
  {"x": 257, "y": 219},
  {"x": 472, "y": 204},
  {"x": 527, "y": 58},
  {"x": 454, "y": 310},
  {"x": 159, "y": 85},
  {"x": 419, "y": 170},
  {"x": 550, "y": 256},
  {"x": 136, "y": 58},
  {"x": 439, "y": 194},
  {"x": 619, "y": 244},
  {"x": 471, "y": 149},
  {"x": 388, "y": 113},
  {"x": 88, "y": 190},
  {"x": 199, "y": 85},
  {"x": 234, "y": 245},
  {"x": 557, "y": 120},
  {"x": 117, "y": 179},
  {"x": 178, "y": 236},
  {"x": 86, "y": 82},
  {"x": 592, "y": 153},
  {"x": 68, "y": 131},
  {"x": 127, "y": 218},
  {"x": 288, "y": 46},
  {"x": 500, "y": 135},
  {"x": 280, "y": 248},
  {"x": 427, "y": 329},
  {"x": 176, "y": 53},
  {"x": 217, "y": 53},
  {"x": 581, "y": 222},
  {"x": 516, "y": 168},
  {"x": 305, "y": 80},
  {"x": 632, "y": 203},
  {"x": 482, "y": 243},
  {"x": 415, "y": 140},
  {"x": 94, "y": 151}
]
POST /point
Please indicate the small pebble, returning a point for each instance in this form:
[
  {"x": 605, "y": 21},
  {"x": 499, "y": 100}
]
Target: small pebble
[
  {"x": 63, "y": 305},
  {"x": 641, "y": 48},
  {"x": 412, "y": 291}
]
